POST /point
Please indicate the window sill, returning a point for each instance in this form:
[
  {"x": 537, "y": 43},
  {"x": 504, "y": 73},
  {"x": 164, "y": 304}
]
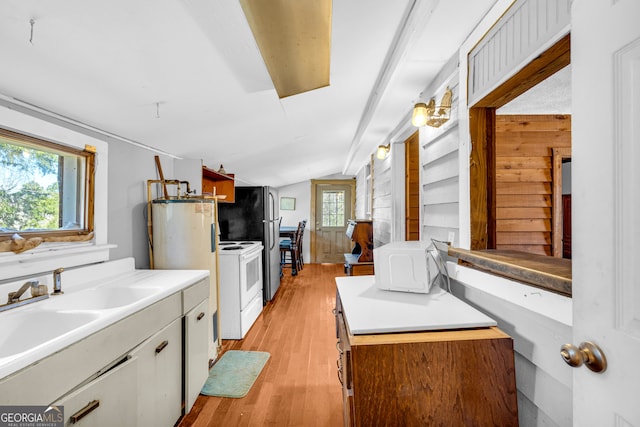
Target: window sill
[
  {"x": 49, "y": 256},
  {"x": 552, "y": 274}
]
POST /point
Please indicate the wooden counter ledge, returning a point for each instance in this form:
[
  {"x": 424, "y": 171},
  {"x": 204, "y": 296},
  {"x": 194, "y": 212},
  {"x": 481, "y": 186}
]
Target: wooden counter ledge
[{"x": 552, "y": 274}]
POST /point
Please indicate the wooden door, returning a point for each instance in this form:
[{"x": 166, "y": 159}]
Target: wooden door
[
  {"x": 333, "y": 206},
  {"x": 606, "y": 201}
]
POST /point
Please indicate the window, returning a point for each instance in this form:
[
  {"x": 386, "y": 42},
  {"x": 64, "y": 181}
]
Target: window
[
  {"x": 46, "y": 189},
  {"x": 333, "y": 214}
]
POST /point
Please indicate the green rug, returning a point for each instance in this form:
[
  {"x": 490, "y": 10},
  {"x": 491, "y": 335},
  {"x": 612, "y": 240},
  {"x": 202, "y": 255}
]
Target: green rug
[{"x": 234, "y": 374}]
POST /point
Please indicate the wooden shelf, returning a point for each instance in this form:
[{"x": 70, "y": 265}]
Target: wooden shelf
[
  {"x": 220, "y": 184},
  {"x": 216, "y": 176}
]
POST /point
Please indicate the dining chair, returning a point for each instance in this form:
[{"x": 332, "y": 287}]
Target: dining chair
[
  {"x": 290, "y": 250},
  {"x": 299, "y": 245}
]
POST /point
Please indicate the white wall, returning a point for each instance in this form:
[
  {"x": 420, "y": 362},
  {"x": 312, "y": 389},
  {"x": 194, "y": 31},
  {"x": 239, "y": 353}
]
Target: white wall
[
  {"x": 302, "y": 193},
  {"x": 49, "y": 256},
  {"x": 128, "y": 198},
  {"x": 122, "y": 170}
]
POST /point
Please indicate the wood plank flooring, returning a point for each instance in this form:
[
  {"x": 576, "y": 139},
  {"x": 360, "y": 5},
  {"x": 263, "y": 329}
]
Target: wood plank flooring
[{"x": 299, "y": 384}]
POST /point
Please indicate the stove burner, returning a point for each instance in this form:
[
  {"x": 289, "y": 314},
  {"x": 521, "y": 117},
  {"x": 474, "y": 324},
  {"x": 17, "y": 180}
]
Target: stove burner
[
  {"x": 231, "y": 248},
  {"x": 247, "y": 243},
  {"x": 226, "y": 243}
]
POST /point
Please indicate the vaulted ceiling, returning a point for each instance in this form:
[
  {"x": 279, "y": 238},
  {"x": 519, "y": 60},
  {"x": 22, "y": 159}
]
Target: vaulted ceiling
[{"x": 185, "y": 77}]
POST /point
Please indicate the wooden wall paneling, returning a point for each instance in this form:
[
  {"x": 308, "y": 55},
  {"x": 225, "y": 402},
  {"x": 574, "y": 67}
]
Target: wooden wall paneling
[
  {"x": 528, "y": 200},
  {"x": 522, "y": 162},
  {"x": 519, "y": 188},
  {"x": 412, "y": 187},
  {"x": 523, "y": 225},
  {"x": 527, "y": 237},
  {"x": 525, "y": 176},
  {"x": 523, "y": 213}
]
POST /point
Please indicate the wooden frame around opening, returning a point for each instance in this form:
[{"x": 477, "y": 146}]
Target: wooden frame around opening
[
  {"x": 558, "y": 155},
  {"x": 482, "y": 130},
  {"x": 88, "y": 200},
  {"x": 313, "y": 207}
]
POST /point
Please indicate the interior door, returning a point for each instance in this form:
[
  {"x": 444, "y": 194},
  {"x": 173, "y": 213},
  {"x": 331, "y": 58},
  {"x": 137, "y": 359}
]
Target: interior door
[
  {"x": 333, "y": 210},
  {"x": 606, "y": 239}
]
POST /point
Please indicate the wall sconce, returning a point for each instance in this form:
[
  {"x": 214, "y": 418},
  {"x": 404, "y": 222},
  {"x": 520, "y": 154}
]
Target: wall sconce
[
  {"x": 430, "y": 114},
  {"x": 383, "y": 151}
]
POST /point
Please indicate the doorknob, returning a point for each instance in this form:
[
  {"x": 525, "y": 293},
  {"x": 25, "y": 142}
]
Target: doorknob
[{"x": 588, "y": 353}]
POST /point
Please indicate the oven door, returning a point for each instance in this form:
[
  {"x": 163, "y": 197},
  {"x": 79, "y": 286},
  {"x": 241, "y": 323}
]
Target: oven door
[{"x": 250, "y": 276}]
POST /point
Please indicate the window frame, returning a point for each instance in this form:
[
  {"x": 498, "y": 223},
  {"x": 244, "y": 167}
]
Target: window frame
[{"x": 89, "y": 195}]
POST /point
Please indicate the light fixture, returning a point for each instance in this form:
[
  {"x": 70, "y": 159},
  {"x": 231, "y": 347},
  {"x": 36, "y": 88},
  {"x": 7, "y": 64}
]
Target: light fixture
[
  {"x": 294, "y": 38},
  {"x": 383, "y": 151},
  {"x": 430, "y": 114}
]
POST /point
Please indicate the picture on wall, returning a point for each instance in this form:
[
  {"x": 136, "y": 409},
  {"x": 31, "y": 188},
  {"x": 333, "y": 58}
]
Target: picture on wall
[{"x": 287, "y": 203}]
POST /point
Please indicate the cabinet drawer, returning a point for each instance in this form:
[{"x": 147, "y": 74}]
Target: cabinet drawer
[
  {"x": 109, "y": 400},
  {"x": 193, "y": 295}
]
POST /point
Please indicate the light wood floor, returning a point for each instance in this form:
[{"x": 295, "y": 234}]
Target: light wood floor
[{"x": 299, "y": 384}]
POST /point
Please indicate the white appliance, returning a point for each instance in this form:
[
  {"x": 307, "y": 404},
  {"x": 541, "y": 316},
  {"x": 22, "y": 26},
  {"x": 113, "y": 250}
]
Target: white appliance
[
  {"x": 412, "y": 266},
  {"x": 241, "y": 285},
  {"x": 184, "y": 237}
]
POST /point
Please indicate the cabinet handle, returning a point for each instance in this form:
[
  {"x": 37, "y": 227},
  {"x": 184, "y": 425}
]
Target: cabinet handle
[
  {"x": 161, "y": 347},
  {"x": 200, "y": 316},
  {"x": 340, "y": 372},
  {"x": 84, "y": 411}
]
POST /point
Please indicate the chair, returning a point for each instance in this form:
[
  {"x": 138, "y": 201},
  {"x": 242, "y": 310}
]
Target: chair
[
  {"x": 290, "y": 251},
  {"x": 300, "y": 256}
]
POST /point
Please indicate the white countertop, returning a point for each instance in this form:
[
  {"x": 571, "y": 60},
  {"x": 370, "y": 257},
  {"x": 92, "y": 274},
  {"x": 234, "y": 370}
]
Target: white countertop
[
  {"x": 153, "y": 284},
  {"x": 369, "y": 310}
]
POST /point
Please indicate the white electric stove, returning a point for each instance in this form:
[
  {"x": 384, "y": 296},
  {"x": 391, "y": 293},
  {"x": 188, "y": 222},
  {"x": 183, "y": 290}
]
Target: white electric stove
[{"x": 240, "y": 286}]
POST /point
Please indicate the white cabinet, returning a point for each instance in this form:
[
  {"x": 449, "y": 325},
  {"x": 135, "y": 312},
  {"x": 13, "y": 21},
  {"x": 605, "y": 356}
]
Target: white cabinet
[
  {"x": 160, "y": 377},
  {"x": 107, "y": 400},
  {"x": 196, "y": 357}
]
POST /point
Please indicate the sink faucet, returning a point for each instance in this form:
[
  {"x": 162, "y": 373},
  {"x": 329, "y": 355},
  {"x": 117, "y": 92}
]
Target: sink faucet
[
  {"x": 57, "y": 282},
  {"x": 15, "y": 296}
]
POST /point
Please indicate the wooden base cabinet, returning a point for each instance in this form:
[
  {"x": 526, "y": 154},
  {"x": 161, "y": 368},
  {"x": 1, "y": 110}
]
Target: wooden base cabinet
[{"x": 441, "y": 378}]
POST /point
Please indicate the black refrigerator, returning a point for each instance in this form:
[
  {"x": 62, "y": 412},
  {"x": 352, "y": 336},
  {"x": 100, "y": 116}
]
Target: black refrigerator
[{"x": 255, "y": 216}]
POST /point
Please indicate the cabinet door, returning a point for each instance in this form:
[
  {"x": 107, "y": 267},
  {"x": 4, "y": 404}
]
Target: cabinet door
[
  {"x": 160, "y": 377},
  {"x": 109, "y": 400},
  {"x": 196, "y": 352}
]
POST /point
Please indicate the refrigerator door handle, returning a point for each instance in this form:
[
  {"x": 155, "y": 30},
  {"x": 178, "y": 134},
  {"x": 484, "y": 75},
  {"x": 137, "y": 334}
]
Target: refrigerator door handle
[{"x": 272, "y": 219}]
